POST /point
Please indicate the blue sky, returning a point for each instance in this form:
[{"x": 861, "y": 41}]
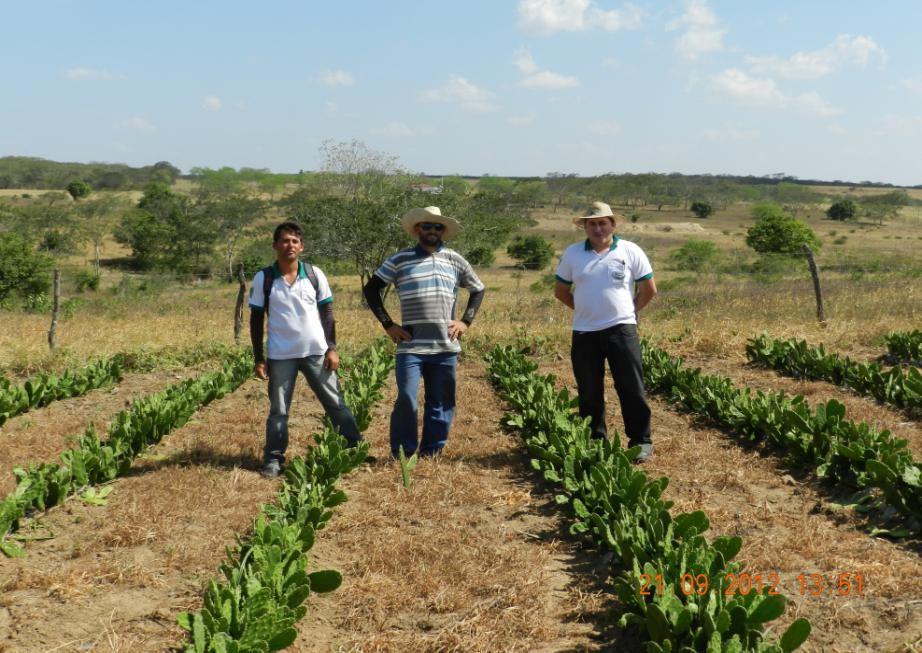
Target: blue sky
[{"x": 819, "y": 89}]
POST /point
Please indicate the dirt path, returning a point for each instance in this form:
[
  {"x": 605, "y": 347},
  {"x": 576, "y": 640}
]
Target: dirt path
[
  {"x": 858, "y": 408},
  {"x": 114, "y": 577},
  {"x": 469, "y": 558},
  {"x": 789, "y": 528},
  {"x": 42, "y": 434}
]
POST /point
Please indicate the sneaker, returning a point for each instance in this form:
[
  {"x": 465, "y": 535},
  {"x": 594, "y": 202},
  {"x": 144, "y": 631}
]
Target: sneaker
[
  {"x": 646, "y": 452},
  {"x": 271, "y": 470}
]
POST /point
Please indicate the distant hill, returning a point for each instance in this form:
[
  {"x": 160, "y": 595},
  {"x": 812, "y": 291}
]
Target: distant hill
[{"x": 33, "y": 172}]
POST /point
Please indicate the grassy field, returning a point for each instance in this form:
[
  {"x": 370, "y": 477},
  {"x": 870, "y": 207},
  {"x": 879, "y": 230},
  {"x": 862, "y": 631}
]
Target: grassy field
[{"x": 474, "y": 556}]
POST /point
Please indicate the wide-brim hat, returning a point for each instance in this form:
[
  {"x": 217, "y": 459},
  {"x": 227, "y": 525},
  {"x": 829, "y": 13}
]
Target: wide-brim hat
[
  {"x": 429, "y": 214},
  {"x": 597, "y": 210}
]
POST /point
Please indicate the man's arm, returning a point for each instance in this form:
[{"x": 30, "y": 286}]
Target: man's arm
[
  {"x": 563, "y": 294},
  {"x": 328, "y": 322},
  {"x": 646, "y": 290},
  {"x": 372, "y": 294},
  {"x": 457, "y": 327},
  {"x": 257, "y": 318}
]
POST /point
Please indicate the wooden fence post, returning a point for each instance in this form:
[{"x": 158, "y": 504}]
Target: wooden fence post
[
  {"x": 820, "y": 314},
  {"x": 238, "y": 309},
  {"x": 55, "y": 310}
]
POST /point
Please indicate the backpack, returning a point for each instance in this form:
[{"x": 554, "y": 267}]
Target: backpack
[{"x": 267, "y": 283}]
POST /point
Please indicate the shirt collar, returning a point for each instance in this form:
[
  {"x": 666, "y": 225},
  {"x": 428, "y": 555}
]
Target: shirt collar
[
  {"x": 421, "y": 251},
  {"x": 302, "y": 271},
  {"x": 587, "y": 246}
]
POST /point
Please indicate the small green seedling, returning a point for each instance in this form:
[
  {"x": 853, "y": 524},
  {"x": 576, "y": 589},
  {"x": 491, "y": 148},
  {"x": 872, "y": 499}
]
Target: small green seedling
[
  {"x": 96, "y": 497},
  {"x": 406, "y": 466}
]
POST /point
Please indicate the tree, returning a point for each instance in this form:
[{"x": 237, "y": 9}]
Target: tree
[
  {"x": 781, "y": 234},
  {"x": 844, "y": 209},
  {"x": 78, "y": 189},
  {"x": 23, "y": 270},
  {"x": 532, "y": 251},
  {"x": 884, "y": 206},
  {"x": 98, "y": 218},
  {"x": 358, "y": 170},
  {"x": 701, "y": 208},
  {"x": 357, "y": 229},
  {"x": 794, "y": 197},
  {"x": 694, "y": 255}
]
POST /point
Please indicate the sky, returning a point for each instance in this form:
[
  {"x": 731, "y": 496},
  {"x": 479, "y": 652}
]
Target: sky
[{"x": 819, "y": 89}]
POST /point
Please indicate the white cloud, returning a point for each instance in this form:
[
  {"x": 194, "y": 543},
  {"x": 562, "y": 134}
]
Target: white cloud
[
  {"x": 749, "y": 90},
  {"x": 731, "y": 134},
  {"x": 913, "y": 84},
  {"x": 136, "y": 124},
  {"x": 90, "y": 74},
  {"x": 337, "y": 78},
  {"x": 521, "y": 121},
  {"x": 393, "y": 129},
  {"x": 892, "y": 124},
  {"x": 547, "y": 79},
  {"x": 540, "y": 79},
  {"x": 836, "y": 129},
  {"x": 460, "y": 91},
  {"x": 703, "y": 33},
  {"x": 604, "y": 128},
  {"x": 548, "y": 16},
  {"x": 764, "y": 92},
  {"x": 846, "y": 49},
  {"x": 212, "y": 103},
  {"x": 813, "y": 103},
  {"x": 610, "y": 63}
]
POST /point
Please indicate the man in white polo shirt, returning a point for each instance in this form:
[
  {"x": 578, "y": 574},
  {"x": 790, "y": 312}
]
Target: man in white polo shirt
[
  {"x": 301, "y": 337},
  {"x": 597, "y": 279}
]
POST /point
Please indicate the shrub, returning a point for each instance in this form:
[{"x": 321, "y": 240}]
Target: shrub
[
  {"x": 86, "y": 279},
  {"x": 78, "y": 189},
  {"x": 23, "y": 270},
  {"x": 701, "y": 208},
  {"x": 778, "y": 233},
  {"x": 694, "y": 255},
  {"x": 532, "y": 252},
  {"x": 481, "y": 256},
  {"x": 842, "y": 210}
]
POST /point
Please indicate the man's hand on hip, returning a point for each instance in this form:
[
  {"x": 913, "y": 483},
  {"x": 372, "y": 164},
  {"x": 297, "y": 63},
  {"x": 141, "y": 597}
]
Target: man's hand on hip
[
  {"x": 331, "y": 360},
  {"x": 262, "y": 371},
  {"x": 398, "y": 333},
  {"x": 456, "y": 329}
]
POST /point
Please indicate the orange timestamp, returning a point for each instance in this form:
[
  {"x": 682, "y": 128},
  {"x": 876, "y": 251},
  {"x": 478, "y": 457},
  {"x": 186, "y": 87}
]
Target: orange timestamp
[{"x": 743, "y": 583}]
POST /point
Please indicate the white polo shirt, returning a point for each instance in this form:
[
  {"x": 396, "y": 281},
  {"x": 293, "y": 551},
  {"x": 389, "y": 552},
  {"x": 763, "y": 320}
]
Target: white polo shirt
[
  {"x": 294, "y": 329},
  {"x": 603, "y": 284}
]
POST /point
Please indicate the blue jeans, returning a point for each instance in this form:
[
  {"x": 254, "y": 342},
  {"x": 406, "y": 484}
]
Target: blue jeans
[
  {"x": 282, "y": 377},
  {"x": 438, "y": 374}
]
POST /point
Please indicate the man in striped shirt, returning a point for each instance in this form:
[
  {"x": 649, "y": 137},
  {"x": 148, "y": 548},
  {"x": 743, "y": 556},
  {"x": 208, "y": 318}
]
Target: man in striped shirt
[{"x": 427, "y": 278}]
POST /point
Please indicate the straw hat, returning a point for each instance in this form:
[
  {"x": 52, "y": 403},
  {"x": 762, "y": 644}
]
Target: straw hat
[
  {"x": 429, "y": 214},
  {"x": 597, "y": 210}
]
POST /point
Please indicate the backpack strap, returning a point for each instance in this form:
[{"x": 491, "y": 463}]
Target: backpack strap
[
  {"x": 267, "y": 283},
  {"x": 312, "y": 277},
  {"x": 267, "y": 288}
]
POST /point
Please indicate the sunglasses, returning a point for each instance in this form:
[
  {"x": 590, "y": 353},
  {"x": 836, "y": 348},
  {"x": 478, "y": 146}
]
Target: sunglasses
[{"x": 431, "y": 226}]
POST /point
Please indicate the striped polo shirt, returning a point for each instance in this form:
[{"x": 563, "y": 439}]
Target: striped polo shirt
[{"x": 427, "y": 287}]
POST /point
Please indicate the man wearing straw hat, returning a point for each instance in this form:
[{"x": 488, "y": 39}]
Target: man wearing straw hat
[
  {"x": 606, "y": 281},
  {"x": 427, "y": 278}
]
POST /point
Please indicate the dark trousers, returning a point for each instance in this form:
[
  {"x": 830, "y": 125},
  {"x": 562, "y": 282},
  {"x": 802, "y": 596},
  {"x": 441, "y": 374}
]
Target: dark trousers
[{"x": 621, "y": 348}]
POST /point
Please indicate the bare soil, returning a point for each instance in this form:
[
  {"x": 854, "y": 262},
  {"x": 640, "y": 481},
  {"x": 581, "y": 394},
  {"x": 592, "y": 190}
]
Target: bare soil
[
  {"x": 41, "y": 435},
  {"x": 473, "y": 556}
]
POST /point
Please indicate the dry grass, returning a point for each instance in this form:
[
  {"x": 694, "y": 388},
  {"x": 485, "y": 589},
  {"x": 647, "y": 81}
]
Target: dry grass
[{"x": 471, "y": 557}]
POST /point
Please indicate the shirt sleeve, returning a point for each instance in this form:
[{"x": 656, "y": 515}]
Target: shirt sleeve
[
  {"x": 564, "y": 273},
  {"x": 324, "y": 292},
  {"x": 640, "y": 266},
  {"x": 388, "y": 271},
  {"x": 467, "y": 278},
  {"x": 257, "y": 299}
]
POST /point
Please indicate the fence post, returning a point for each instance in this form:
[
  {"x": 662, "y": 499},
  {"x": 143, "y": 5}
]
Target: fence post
[
  {"x": 820, "y": 314},
  {"x": 55, "y": 310},
  {"x": 238, "y": 309}
]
